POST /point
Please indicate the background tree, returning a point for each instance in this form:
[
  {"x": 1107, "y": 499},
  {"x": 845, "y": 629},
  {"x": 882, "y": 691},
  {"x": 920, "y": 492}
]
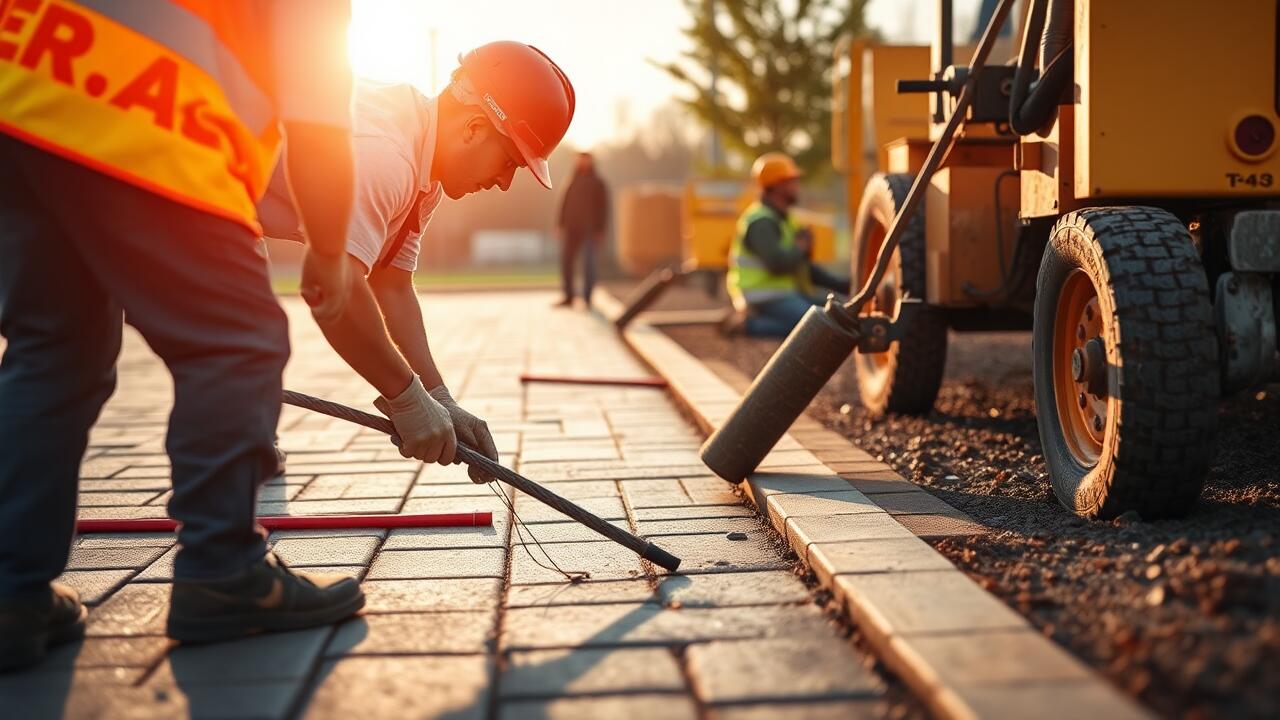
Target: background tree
[{"x": 771, "y": 60}]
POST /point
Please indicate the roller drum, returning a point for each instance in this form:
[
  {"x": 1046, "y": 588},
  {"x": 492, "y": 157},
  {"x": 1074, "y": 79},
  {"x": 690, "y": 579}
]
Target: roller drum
[{"x": 807, "y": 359}]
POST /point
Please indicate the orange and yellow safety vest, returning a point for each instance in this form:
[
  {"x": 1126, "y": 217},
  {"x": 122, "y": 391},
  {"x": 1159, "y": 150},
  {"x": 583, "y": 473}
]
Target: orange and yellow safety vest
[{"x": 174, "y": 97}]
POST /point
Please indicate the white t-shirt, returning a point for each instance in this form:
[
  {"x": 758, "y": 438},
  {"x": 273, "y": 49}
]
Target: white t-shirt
[{"x": 394, "y": 141}]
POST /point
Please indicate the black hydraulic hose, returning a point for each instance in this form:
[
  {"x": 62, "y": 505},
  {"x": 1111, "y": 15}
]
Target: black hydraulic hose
[
  {"x": 470, "y": 456},
  {"x": 1030, "y": 109}
]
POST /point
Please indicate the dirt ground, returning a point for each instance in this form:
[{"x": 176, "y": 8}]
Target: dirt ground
[{"x": 1184, "y": 614}]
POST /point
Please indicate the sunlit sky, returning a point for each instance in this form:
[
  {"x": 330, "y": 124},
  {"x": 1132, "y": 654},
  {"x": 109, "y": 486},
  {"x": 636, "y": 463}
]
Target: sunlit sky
[{"x": 602, "y": 45}]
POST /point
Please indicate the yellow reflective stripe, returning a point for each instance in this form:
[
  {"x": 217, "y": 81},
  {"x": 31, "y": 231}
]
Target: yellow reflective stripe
[
  {"x": 101, "y": 93},
  {"x": 190, "y": 36}
]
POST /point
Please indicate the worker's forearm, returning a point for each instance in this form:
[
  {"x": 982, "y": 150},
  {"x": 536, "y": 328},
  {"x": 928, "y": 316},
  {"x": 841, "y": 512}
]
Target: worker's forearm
[
  {"x": 321, "y": 174},
  {"x": 403, "y": 316},
  {"x": 360, "y": 339}
]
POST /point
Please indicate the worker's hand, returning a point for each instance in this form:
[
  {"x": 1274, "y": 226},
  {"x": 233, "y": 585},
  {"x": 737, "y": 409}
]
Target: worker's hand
[
  {"x": 804, "y": 241},
  {"x": 424, "y": 427},
  {"x": 471, "y": 431},
  {"x": 326, "y": 285}
]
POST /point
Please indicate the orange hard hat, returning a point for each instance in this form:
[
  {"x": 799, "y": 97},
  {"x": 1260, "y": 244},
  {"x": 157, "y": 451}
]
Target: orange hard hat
[
  {"x": 772, "y": 168},
  {"x": 525, "y": 95}
]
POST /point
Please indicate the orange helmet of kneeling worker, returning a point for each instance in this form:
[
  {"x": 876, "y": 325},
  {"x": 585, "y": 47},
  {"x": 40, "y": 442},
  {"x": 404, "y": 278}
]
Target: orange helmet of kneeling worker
[
  {"x": 525, "y": 95},
  {"x": 772, "y": 168}
]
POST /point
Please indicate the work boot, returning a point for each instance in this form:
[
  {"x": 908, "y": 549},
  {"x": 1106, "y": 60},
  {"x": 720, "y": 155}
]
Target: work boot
[
  {"x": 30, "y": 625},
  {"x": 567, "y": 302},
  {"x": 265, "y": 597}
]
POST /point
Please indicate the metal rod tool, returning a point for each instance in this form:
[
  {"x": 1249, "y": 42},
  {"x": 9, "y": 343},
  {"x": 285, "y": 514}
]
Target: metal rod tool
[{"x": 468, "y": 455}]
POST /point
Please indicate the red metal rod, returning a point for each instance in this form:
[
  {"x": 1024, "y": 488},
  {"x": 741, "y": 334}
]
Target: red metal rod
[
  {"x": 653, "y": 382},
  {"x": 308, "y": 522}
]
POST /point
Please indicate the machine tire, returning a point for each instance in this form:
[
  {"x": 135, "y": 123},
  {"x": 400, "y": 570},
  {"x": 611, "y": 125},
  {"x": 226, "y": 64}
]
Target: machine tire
[
  {"x": 1152, "y": 317},
  {"x": 907, "y": 377}
]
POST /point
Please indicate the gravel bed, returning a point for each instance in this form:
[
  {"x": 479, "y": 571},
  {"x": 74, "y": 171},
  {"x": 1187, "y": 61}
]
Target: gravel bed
[{"x": 1183, "y": 614}]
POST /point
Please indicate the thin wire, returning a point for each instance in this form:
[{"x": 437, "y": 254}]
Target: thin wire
[{"x": 574, "y": 577}]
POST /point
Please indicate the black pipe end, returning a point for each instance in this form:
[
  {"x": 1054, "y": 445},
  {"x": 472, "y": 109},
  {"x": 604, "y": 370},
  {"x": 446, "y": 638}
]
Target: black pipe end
[{"x": 660, "y": 557}]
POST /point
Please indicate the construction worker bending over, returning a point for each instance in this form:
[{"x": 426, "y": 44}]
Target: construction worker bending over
[
  {"x": 771, "y": 278},
  {"x": 135, "y": 139},
  {"x": 506, "y": 107}
]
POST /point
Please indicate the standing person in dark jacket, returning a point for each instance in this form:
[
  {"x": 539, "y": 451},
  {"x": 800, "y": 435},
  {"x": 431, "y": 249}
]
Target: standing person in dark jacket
[{"x": 584, "y": 214}]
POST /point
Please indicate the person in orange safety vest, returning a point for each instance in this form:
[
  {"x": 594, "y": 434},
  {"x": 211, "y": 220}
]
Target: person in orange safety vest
[{"x": 135, "y": 141}]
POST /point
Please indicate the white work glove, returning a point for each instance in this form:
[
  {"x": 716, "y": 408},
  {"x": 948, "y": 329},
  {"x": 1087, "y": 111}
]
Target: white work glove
[
  {"x": 470, "y": 430},
  {"x": 424, "y": 427}
]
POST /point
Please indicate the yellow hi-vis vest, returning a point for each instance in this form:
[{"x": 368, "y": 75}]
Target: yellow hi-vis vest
[
  {"x": 174, "y": 97},
  {"x": 749, "y": 282}
]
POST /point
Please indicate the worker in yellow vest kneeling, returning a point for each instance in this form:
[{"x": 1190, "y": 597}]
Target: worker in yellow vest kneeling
[{"x": 772, "y": 279}]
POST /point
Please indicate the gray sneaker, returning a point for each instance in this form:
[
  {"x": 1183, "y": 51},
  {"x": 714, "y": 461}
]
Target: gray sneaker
[
  {"x": 30, "y": 625},
  {"x": 265, "y": 597}
]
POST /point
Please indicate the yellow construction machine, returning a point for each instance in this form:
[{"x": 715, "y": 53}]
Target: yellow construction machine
[
  {"x": 709, "y": 213},
  {"x": 1115, "y": 187}
]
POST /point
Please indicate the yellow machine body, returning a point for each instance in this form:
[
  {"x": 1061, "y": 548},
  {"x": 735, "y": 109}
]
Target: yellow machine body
[
  {"x": 710, "y": 218},
  {"x": 868, "y": 113},
  {"x": 1162, "y": 85}
]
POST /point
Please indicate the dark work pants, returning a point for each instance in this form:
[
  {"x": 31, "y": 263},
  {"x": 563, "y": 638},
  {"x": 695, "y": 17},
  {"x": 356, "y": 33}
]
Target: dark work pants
[
  {"x": 574, "y": 242},
  {"x": 779, "y": 316},
  {"x": 78, "y": 249}
]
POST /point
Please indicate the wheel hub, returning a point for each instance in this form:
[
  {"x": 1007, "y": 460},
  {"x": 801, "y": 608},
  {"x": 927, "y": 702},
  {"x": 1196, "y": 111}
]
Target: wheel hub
[{"x": 1080, "y": 368}]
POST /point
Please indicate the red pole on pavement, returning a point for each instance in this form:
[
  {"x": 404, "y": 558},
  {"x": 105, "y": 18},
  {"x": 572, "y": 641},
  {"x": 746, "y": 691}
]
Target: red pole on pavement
[
  {"x": 653, "y": 382},
  {"x": 311, "y": 522}
]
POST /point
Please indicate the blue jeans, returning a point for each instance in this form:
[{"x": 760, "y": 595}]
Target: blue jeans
[
  {"x": 79, "y": 253},
  {"x": 777, "y": 317}
]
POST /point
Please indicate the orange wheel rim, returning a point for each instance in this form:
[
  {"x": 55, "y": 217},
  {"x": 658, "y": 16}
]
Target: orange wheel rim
[
  {"x": 1079, "y": 369},
  {"x": 885, "y": 298}
]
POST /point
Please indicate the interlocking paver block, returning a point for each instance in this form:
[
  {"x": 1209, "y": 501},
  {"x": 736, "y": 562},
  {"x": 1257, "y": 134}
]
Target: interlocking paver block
[
  {"x": 555, "y": 673},
  {"x": 898, "y": 603},
  {"x": 867, "y": 556},
  {"x": 934, "y": 526},
  {"x": 1000, "y": 657},
  {"x": 265, "y": 658},
  {"x": 107, "y": 652},
  {"x": 779, "y": 669},
  {"x": 135, "y": 609},
  {"x": 603, "y": 560},
  {"x": 532, "y": 511},
  {"x": 95, "y": 585},
  {"x": 717, "y": 553},
  {"x": 561, "y": 532},
  {"x": 824, "y": 504},
  {"x": 774, "y": 587},
  {"x": 614, "y": 707},
  {"x": 449, "y": 537},
  {"x": 413, "y": 634},
  {"x": 610, "y": 625},
  {"x": 582, "y": 593},
  {"x": 749, "y": 524},
  {"x": 828, "y": 710},
  {"x": 310, "y": 552},
  {"x": 454, "y": 687},
  {"x": 367, "y": 485},
  {"x": 113, "y": 558},
  {"x": 801, "y": 532},
  {"x": 431, "y": 595},
  {"x": 694, "y": 512},
  {"x": 360, "y": 506},
  {"x": 447, "y": 563},
  {"x": 915, "y": 503},
  {"x": 1049, "y": 701},
  {"x": 115, "y": 499}
]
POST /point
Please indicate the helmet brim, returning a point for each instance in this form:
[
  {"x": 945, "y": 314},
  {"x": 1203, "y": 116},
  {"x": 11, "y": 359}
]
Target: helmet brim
[{"x": 537, "y": 164}]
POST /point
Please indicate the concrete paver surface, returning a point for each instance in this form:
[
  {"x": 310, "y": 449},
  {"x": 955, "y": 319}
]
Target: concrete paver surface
[{"x": 462, "y": 622}]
